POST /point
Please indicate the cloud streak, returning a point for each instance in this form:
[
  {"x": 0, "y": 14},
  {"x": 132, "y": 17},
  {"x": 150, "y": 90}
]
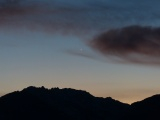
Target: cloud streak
[
  {"x": 82, "y": 53},
  {"x": 132, "y": 44},
  {"x": 82, "y": 16},
  {"x": 48, "y": 16}
]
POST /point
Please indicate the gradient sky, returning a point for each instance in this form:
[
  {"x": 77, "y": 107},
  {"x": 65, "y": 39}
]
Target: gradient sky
[{"x": 44, "y": 43}]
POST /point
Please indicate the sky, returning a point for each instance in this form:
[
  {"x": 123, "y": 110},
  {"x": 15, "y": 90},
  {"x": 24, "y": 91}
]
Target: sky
[{"x": 109, "y": 48}]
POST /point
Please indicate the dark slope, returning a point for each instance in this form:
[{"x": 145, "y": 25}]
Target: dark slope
[
  {"x": 59, "y": 104},
  {"x": 148, "y": 108}
]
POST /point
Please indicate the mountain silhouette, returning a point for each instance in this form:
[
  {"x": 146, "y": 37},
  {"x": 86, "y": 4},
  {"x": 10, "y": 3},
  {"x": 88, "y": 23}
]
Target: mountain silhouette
[
  {"x": 148, "y": 108},
  {"x": 69, "y": 104}
]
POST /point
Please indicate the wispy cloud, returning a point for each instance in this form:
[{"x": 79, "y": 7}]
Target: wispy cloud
[
  {"x": 81, "y": 16},
  {"x": 82, "y": 53},
  {"x": 49, "y": 16}
]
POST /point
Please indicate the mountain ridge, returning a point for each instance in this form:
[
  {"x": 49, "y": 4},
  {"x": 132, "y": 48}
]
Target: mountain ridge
[{"x": 67, "y": 103}]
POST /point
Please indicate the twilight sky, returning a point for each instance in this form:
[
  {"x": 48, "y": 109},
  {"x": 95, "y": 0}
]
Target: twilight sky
[{"x": 106, "y": 47}]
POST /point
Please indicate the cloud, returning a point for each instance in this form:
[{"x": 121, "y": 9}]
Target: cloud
[
  {"x": 10, "y": 8},
  {"x": 77, "y": 17},
  {"x": 87, "y": 17},
  {"x": 82, "y": 53},
  {"x": 48, "y": 16},
  {"x": 132, "y": 44}
]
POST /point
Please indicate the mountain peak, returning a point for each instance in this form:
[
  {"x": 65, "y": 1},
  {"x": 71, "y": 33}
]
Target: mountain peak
[
  {"x": 56, "y": 90},
  {"x": 153, "y": 99},
  {"x": 33, "y": 87}
]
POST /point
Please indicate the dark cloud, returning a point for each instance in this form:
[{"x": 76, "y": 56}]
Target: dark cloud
[
  {"x": 14, "y": 12},
  {"x": 133, "y": 44},
  {"x": 13, "y": 7}
]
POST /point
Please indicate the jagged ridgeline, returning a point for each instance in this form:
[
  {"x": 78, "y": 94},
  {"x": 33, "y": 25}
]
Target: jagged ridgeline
[{"x": 69, "y": 104}]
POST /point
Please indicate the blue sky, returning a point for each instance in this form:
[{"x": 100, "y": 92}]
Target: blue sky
[{"x": 44, "y": 44}]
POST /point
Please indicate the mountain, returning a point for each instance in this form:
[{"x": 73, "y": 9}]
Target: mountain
[
  {"x": 40, "y": 103},
  {"x": 59, "y": 104},
  {"x": 148, "y": 108}
]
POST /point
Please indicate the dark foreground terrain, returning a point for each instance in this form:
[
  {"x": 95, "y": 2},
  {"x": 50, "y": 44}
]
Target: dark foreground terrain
[{"x": 68, "y": 104}]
